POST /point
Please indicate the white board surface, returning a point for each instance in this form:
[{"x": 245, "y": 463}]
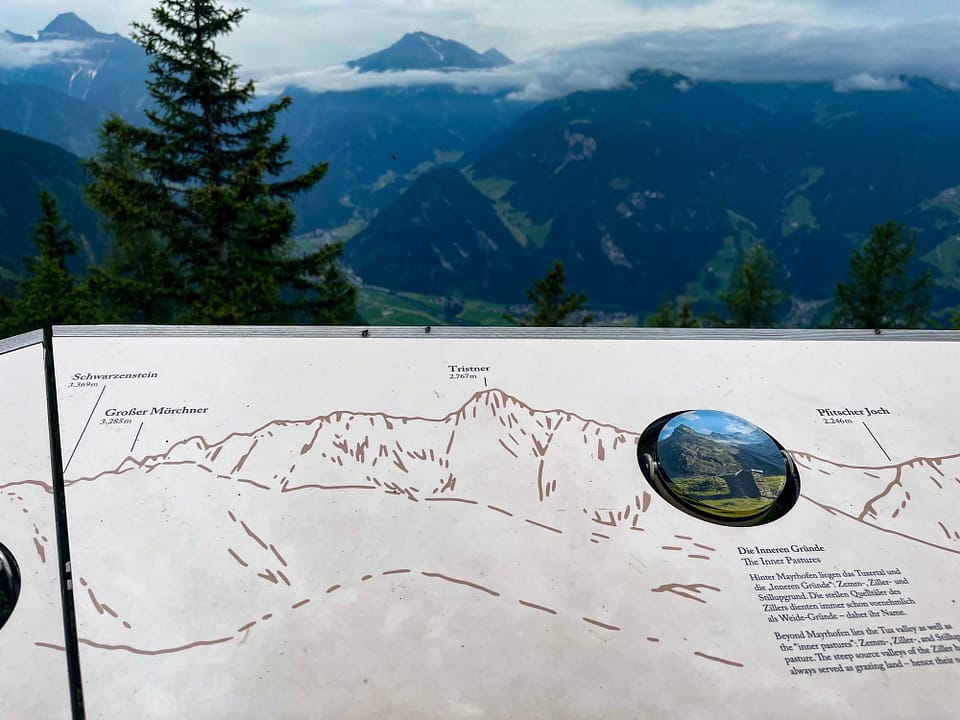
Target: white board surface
[
  {"x": 33, "y": 669},
  {"x": 442, "y": 527}
]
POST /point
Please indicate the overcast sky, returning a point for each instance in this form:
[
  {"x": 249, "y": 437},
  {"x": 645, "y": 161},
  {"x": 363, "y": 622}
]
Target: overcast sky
[{"x": 563, "y": 45}]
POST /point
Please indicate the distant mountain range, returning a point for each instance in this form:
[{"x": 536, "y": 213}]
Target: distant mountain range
[
  {"x": 654, "y": 189},
  {"x": 378, "y": 141},
  {"x": 422, "y": 51},
  {"x": 645, "y": 191}
]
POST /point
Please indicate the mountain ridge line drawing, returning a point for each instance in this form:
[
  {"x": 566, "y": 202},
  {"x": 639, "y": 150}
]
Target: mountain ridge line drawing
[{"x": 377, "y": 443}]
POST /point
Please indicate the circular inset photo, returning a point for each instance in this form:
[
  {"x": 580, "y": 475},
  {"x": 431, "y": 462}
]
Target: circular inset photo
[
  {"x": 9, "y": 584},
  {"x": 718, "y": 467}
]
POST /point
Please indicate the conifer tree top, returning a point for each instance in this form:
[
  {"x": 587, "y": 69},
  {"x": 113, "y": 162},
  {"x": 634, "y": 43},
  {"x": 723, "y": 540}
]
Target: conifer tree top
[{"x": 204, "y": 183}]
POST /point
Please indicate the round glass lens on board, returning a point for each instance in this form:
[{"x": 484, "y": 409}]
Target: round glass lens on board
[{"x": 719, "y": 467}]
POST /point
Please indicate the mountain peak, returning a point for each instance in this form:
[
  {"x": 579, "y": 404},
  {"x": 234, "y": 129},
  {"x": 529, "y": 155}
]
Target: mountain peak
[
  {"x": 495, "y": 58},
  {"x": 420, "y": 50},
  {"x": 69, "y": 25}
]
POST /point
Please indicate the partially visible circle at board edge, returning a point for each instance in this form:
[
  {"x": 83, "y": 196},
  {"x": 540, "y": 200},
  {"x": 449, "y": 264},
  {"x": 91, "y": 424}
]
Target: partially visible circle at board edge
[{"x": 9, "y": 584}]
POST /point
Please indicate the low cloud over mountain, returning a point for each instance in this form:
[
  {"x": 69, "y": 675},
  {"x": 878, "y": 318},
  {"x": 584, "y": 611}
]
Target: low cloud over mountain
[
  {"x": 17, "y": 51},
  {"x": 854, "y": 58},
  {"x": 66, "y": 38},
  {"x": 865, "y": 81}
]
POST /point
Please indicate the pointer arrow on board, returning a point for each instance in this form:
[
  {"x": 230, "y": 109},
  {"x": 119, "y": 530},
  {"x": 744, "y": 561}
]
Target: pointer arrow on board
[
  {"x": 137, "y": 437},
  {"x": 84, "y": 431},
  {"x": 877, "y": 442}
]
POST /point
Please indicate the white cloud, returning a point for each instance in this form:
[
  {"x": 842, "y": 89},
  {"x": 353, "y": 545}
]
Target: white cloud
[
  {"x": 787, "y": 52},
  {"x": 28, "y": 54},
  {"x": 865, "y": 81},
  {"x": 564, "y": 45},
  {"x": 736, "y": 427},
  {"x": 890, "y": 9},
  {"x": 321, "y": 33},
  {"x": 854, "y": 59},
  {"x": 342, "y": 78}
]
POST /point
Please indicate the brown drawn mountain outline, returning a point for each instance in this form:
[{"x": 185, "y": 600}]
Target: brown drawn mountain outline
[
  {"x": 535, "y": 437},
  {"x": 330, "y": 453}
]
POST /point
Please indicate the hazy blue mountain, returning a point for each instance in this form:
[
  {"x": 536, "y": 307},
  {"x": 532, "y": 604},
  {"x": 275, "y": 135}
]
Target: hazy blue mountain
[
  {"x": 27, "y": 166},
  {"x": 49, "y": 115},
  {"x": 68, "y": 25},
  {"x": 476, "y": 245},
  {"x": 422, "y": 51},
  {"x": 653, "y": 189},
  {"x": 495, "y": 58},
  {"x": 107, "y": 70},
  {"x": 378, "y": 140}
]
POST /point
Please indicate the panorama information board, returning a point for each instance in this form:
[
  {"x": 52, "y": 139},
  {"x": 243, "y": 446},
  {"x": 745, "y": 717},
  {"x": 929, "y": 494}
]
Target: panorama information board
[{"x": 454, "y": 523}]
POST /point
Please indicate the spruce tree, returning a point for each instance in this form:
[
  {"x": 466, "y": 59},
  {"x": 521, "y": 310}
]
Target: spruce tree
[
  {"x": 140, "y": 280},
  {"x": 674, "y": 313},
  {"x": 551, "y": 303},
  {"x": 203, "y": 188},
  {"x": 755, "y": 293},
  {"x": 49, "y": 294},
  {"x": 879, "y": 292}
]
